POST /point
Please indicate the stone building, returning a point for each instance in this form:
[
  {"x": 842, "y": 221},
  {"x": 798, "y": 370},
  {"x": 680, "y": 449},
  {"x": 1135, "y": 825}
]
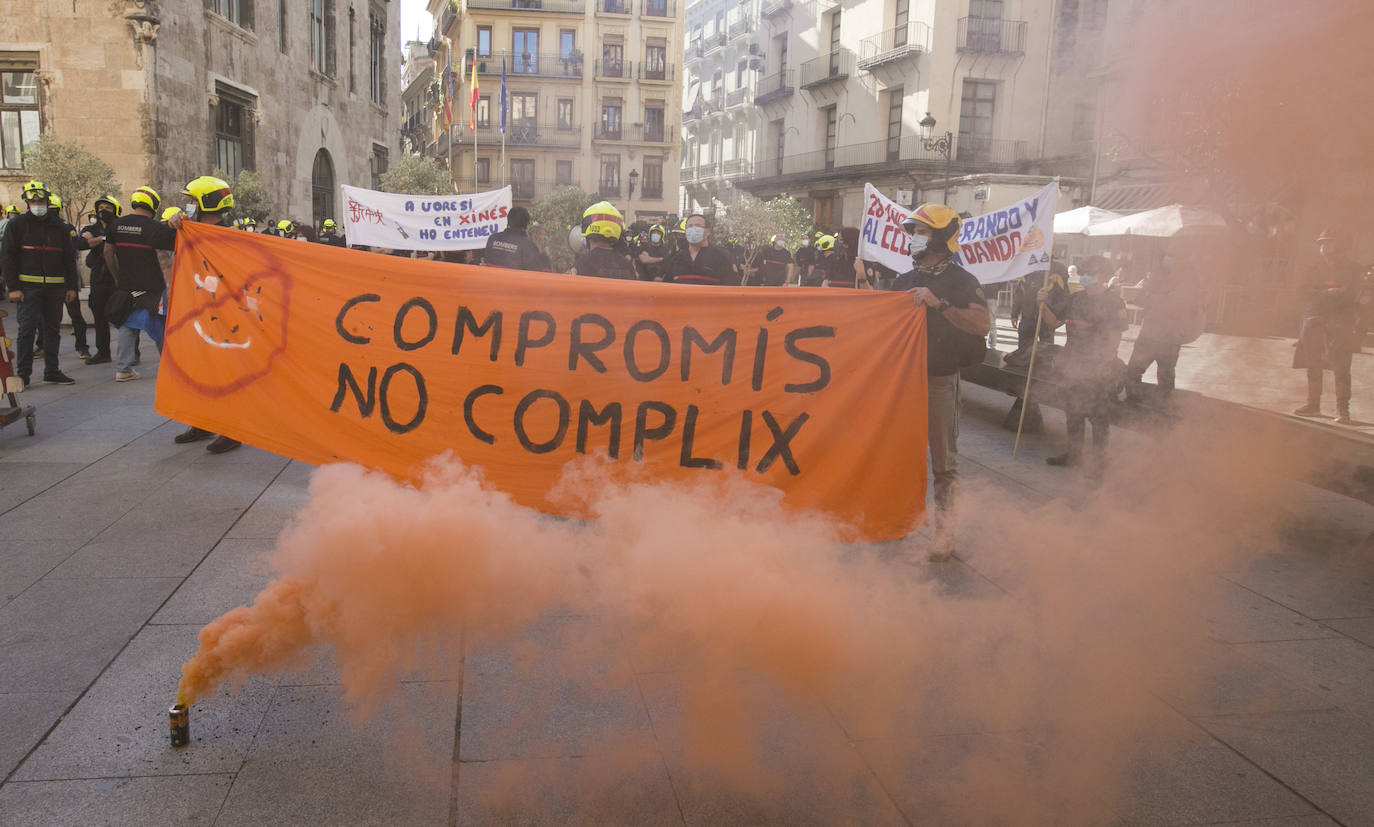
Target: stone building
[
  {"x": 594, "y": 92},
  {"x": 304, "y": 93}
]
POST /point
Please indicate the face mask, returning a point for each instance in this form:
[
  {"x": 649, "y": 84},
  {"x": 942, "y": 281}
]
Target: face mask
[
  {"x": 806, "y": 242},
  {"x": 105, "y": 216},
  {"x": 1087, "y": 280},
  {"x": 301, "y": 238},
  {"x": 190, "y": 210},
  {"x": 39, "y": 210},
  {"x": 920, "y": 244},
  {"x": 778, "y": 244},
  {"x": 655, "y": 238},
  {"x": 696, "y": 235}
]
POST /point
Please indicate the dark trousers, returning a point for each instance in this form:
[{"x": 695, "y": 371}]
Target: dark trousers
[
  {"x": 40, "y": 311},
  {"x": 78, "y": 323},
  {"x": 1163, "y": 354},
  {"x": 1025, "y": 332},
  {"x": 1087, "y": 401},
  {"x": 1340, "y": 366},
  {"x": 100, "y": 294}
]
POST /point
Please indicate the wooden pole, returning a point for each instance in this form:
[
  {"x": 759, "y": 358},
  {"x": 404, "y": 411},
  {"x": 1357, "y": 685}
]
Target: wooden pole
[{"x": 1030, "y": 371}]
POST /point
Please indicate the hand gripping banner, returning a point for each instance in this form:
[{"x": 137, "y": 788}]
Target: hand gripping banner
[{"x": 324, "y": 354}]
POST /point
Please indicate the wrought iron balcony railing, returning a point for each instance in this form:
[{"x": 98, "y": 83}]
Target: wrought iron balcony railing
[{"x": 992, "y": 36}]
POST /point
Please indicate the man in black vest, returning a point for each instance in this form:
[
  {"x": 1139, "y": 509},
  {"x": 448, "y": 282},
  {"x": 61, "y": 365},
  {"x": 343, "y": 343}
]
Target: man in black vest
[{"x": 38, "y": 263}]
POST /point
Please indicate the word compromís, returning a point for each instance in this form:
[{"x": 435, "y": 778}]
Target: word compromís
[{"x": 772, "y": 359}]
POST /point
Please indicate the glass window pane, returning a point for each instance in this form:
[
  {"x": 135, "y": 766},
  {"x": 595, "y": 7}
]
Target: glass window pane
[
  {"x": 9, "y": 138},
  {"x": 20, "y": 87},
  {"x": 28, "y": 127}
]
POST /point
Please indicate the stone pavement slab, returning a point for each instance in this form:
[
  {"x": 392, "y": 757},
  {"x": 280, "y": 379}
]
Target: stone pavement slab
[
  {"x": 147, "y": 802},
  {"x": 232, "y": 575},
  {"x": 279, "y": 503},
  {"x": 591, "y": 791},
  {"x": 1239, "y": 615},
  {"x": 1318, "y": 586},
  {"x": 1356, "y": 628},
  {"x": 23, "y": 562},
  {"x": 119, "y": 728},
  {"x": 24, "y": 718},
  {"x": 21, "y": 480},
  {"x": 59, "y": 634}
]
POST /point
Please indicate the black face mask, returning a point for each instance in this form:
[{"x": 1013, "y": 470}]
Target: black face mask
[{"x": 105, "y": 216}]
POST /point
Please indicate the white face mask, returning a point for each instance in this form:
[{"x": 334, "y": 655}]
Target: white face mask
[
  {"x": 696, "y": 235},
  {"x": 655, "y": 238},
  {"x": 301, "y": 238},
  {"x": 920, "y": 244},
  {"x": 39, "y": 210}
]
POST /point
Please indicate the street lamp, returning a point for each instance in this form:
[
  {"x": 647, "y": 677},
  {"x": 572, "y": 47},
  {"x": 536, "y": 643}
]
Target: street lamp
[
  {"x": 634, "y": 179},
  {"x": 943, "y": 144}
]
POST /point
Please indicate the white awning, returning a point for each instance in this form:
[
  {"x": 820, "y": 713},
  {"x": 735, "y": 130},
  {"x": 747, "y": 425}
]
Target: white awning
[
  {"x": 1073, "y": 222},
  {"x": 1160, "y": 223}
]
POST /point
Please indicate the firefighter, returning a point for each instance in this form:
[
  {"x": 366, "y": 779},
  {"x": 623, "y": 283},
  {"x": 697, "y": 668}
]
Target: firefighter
[
  {"x": 602, "y": 226},
  {"x": 107, "y": 209},
  {"x": 74, "y": 306},
  {"x": 329, "y": 234},
  {"x": 38, "y": 262},
  {"x": 832, "y": 266},
  {"x": 649, "y": 260}
]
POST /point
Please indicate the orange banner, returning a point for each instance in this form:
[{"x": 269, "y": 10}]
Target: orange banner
[{"x": 325, "y": 354}]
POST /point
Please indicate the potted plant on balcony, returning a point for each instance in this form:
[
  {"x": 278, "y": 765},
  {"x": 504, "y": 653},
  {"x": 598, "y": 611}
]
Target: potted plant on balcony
[{"x": 572, "y": 62}]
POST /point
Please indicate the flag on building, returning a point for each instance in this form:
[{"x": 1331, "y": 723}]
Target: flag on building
[
  {"x": 472, "y": 98},
  {"x": 448, "y": 92},
  {"x": 501, "y": 101}
]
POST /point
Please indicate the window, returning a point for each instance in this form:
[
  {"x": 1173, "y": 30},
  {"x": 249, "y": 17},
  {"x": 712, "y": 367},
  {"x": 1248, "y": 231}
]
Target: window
[
  {"x": 484, "y": 41},
  {"x": 525, "y": 50},
  {"x": 233, "y": 119},
  {"x": 563, "y": 173},
  {"x": 656, "y": 59},
  {"x": 238, "y": 12},
  {"x": 779, "y": 143},
  {"x": 610, "y": 119},
  {"x": 780, "y": 46},
  {"x": 899, "y": 22},
  {"x": 484, "y": 111},
  {"x": 986, "y": 9},
  {"x": 831, "y": 133},
  {"x": 379, "y": 165},
  {"x": 653, "y": 178},
  {"x": 654, "y": 123},
  {"x": 738, "y": 142},
  {"x": 377, "y": 55},
  {"x": 522, "y": 178},
  {"x": 19, "y": 121},
  {"x": 739, "y": 73},
  {"x": 565, "y": 113},
  {"x": 567, "y": 43},
  {"x": 524, "y": 106},
  {"x": 835, "y": 43},
  {"x": 610, "y": 176},
  {"x": 985, "y": 25},
  {"x": 483, "y": 170},
  {"x": 823, "y": 212},
  {"x": 281, "y": 25},
  {"x": 655, "y": 8},
  {"x": 322, "y": 36},
  {"x": 1084, "y": 121},
  {"x": 894, "y": 124},
  {"x": 720, "y": 23},
  {"x": 352, "y": 50},
  {"x": 976, "y": 109},
  {"x": 613, "y": 58},
  {"x": 322, "y": 187}
]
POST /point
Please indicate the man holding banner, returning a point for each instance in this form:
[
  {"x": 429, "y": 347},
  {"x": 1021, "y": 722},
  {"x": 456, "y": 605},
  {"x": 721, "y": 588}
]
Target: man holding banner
[{"x": 957, "y": 321}]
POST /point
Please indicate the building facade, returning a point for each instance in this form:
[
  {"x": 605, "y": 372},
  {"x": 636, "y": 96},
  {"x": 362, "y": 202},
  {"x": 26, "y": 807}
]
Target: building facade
[
  {"x": 955, "y": 100},
  {"x": 419, "y": 94},
  {"x": 302, "y": 93},
  {"x": 593, "y": 89}
]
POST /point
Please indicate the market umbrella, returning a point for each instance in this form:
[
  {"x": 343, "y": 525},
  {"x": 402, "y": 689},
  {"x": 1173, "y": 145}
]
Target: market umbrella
[{"x": 1073, "y": 222}]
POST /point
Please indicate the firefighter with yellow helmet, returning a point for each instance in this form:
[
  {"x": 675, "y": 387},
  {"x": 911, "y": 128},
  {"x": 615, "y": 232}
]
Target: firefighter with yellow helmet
[
  {"x": 602, "y": 226},
  {"x": 131, "y": 247},
  {"x": 329, "y": 234},
  {"x": 957, "y": 323},
  {"x": 107, "y": 209},
  {"x": 38, "y": 265}
]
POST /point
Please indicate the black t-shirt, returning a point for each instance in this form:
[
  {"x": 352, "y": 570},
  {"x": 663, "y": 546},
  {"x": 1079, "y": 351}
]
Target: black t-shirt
[
  {"x": 773, "y": 267},
  {"x": 1090, "y": 322},
  {"x": 833, "y": 267},
  {"x": 600, "y": 262},
  {"x": 1332, "y": 288},
  {"x": 711, "y": 266},
  {"x": 136, "y": 240},
  {"x": 652, "y": 272},
  {"x": 513, "y": 250},
  {"x": 333, "y": 239},
  {"x": 961, "y": 289}
]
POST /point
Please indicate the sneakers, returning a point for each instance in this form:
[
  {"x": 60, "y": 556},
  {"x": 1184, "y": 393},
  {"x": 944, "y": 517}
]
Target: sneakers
[
  {"x": 99, "y": 359},
  {"x": 58, "y": 378},
  {"x": 192, "y": 434},
  {"x": 222, "y": 445},
  {"x": 126, "y": 375},
  {"x": 1343, "y": 418},
  {"x": 1308, "y": 410},
  {"x": 83, "y": 354},
  {"x": 1066, "y": 460}
]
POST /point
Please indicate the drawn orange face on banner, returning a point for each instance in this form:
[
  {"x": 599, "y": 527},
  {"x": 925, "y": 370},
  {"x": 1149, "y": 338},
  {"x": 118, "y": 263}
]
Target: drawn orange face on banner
[{"x": 238, "y": 325}]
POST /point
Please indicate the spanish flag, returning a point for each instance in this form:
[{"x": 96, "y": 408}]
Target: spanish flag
[{"x": 472, "y": 99}]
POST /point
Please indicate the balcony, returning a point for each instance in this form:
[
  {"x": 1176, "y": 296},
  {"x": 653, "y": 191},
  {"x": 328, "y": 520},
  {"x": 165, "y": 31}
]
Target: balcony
[
  {"x": 971, "y": 155},
  {"x": 712, "y": 44},
  {"x": 634, "y": 133},
  {"x": 609, "y": 189},
  {"x": 828, "y": 68},
  {"x": 737, "y": 168},
  {"x": 775, "y": 87},
  {"x": 987, "y": 36},
  {"x": 542, "y": 65},
  {"x": 614, "y": 7},
  {"x": 739, "y": 27},
  {"x": 521, "y": 133},
  {"x": 687, "y": 175},
  {"x": 772, "y": 8},
  {"x": 652, "y": 192},
  {"x": 651, "y": 73},
  {"x": 552, "y": 6},
  {"x": 614, "y": 69},
  {"x": 896, "y": 44},
  {"x": 737, "y": 97},
  {"x": 657, "y": 8}
]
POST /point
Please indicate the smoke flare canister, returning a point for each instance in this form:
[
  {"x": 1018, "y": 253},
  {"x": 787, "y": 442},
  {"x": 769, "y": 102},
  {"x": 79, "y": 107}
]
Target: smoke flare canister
[{"x": 180, "y": 717}]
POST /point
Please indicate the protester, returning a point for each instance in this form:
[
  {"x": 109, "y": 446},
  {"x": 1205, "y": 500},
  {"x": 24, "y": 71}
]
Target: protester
[
  {"x": 956, "y": 321},
  {"x": 540, "y": 236},
  {"x": 775, "y": 265},
  {"x": 10, "y": 212},
  {"x": 131, "y": 257},
  {"x": 329, "y": 234},
  {"x": 212, "y": 199},
  {"x": 1327, "y": 337},
  {"x": 1025, "y": 304},
  {"x": 805, "y": 259},
  {"x": 650, "y": 257},
  {"x": 38, "y": 263},
  {"x": 831, "y": 265},
  {"x": 511, "y": 248},
  {"x": 602, "y": 226},
  {"x": 107, "y": 209},
  {"x": 698, "y": 262},
  {"x": 1173, "y": 309},
  {"x": 1088, "y": 369},
  {"x": 73, "y": 306}
]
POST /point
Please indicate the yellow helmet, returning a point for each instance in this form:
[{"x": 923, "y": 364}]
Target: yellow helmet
[
  {"x": 825, "y": 242},
  {"x": 148, "y": 197},
  {"x": 212, "y": 194},
  {"x": 603, "y": 219},
  {"x": 36, "y": 191},
  {"x": 286, "y": 228},
  {"x": 658, "y": 228},
  {"x": 775, "y": 238},
  {"x": 112, "y": 201},
  {"x": 169, "y": 212},
  {"x": 942, "y": 221},
  {"x": 55, "y": 201},
  {"x": 329, "y": 224},
  {"x": 11, "y": 210}
]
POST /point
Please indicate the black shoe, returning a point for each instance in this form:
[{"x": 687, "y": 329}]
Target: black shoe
[
  {"x": 58, "y": 378},
  {"x": 223, "y": 445},
  {"x": 1063, "y": 460},
  {"x": 83, "y": 354},
  {"x": 99, "y": 359},
  {"x": 192, "y": 434},
  {"x": 24, "y": 379}
]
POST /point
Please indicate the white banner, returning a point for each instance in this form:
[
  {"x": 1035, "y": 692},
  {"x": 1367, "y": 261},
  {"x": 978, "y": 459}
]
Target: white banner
[
  {"x": 997, "y": 246},
  {"x": 423, "y": 222}
]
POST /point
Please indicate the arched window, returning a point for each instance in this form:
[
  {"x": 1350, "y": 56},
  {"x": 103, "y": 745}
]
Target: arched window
[{"x": 322, "y": 188}]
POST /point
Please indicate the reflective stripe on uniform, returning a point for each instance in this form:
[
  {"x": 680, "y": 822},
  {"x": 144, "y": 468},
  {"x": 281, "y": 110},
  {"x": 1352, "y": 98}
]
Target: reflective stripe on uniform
[
  {"x": 42, "y": 279},
  {"x": 37, "y": 247}
]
